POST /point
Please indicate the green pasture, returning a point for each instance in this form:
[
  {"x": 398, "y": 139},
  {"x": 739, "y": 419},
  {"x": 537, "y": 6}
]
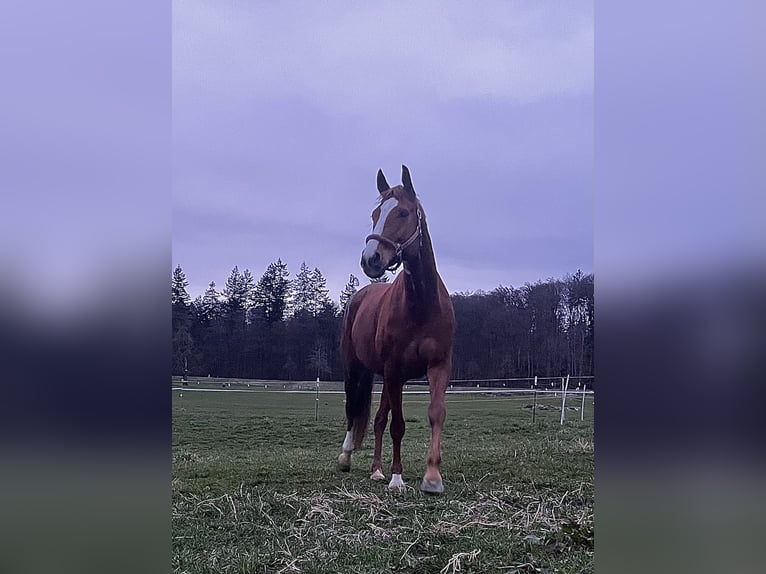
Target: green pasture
[{"x": 256, "y": 489}]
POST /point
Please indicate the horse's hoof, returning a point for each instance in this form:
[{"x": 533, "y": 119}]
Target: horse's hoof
[
  {"x": 432, "y": 486},
  {"x": 344, "y": 462},
  {"x": 396, "y": 482},
  {"x": 378, "y": 475}
]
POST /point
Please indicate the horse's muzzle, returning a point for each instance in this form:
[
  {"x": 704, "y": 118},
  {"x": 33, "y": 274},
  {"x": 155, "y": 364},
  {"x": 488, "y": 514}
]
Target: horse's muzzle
[{"x": 373, "y": 266}]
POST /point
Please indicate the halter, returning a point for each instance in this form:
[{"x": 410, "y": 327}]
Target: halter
[{"x": 397, "y": 247}]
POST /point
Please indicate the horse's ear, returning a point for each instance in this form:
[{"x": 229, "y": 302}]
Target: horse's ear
[
  {"x": 407, "y": 180},
  {"x": 382, "y": 183}
]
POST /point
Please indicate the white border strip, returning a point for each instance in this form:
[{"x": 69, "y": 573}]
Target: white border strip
[{"x": 449, "y": 392}]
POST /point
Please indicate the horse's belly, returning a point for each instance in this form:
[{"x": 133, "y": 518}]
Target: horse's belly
[
  {"x": 369, "y": 358},
  {"x": 364, "y": 347}
]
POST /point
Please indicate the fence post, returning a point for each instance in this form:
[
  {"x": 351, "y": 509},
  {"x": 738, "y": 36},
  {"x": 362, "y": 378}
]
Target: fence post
[
  {"x": 582, "y": 405},
  {"x": 534, "y": 406},
  {"x": 564, "y": 387},
  {"x": 316, "y": 403}
]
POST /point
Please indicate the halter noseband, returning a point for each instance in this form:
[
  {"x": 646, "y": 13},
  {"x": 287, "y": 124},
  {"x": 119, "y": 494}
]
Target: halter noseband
[{"x": 397, "y": 247}]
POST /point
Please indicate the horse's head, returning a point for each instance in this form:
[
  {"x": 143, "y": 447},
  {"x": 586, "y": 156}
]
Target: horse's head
[{"x": 396, "y": 225}]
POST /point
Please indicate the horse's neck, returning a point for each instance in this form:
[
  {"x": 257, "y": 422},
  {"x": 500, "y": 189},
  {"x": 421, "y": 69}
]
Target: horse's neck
[{"x": 422, "y": 279}]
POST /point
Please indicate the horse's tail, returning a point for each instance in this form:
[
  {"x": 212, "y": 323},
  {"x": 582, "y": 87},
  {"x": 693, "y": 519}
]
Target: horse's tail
[
  {"x": 358, "y": 379},
  {"x": 358, "y": 403}
]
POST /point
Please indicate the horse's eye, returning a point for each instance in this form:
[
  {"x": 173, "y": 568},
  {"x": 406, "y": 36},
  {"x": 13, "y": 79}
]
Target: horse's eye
[{"x": 403, "y": 212}]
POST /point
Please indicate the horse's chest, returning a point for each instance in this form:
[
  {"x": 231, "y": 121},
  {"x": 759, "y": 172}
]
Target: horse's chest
[{"x": 403, "y": 346}]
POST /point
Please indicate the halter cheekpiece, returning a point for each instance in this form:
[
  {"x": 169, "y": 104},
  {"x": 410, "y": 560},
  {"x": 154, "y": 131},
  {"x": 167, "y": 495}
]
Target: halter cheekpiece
[{"x": 398, "y": 247}]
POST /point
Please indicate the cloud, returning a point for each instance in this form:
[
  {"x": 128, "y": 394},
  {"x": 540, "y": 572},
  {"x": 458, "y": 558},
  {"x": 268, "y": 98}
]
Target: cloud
[
  {"x": 281, "y": 119},
  {"x": 367, "y": 56}
]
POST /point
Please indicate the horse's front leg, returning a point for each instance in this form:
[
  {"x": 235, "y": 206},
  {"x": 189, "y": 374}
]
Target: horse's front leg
[
  {"x": 397, "y": 433},
  {"x": 438, "y": 378},
  {"x": 381, "y": 420}
]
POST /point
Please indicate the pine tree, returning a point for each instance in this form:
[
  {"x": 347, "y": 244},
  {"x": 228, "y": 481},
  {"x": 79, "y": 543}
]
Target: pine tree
[
  {"x": 320, "y": 298},
  {"x": 234, "y": 304},
  {"x": 179, "y": 299},
  {"x": 196, "y": 308},
  {"x": 180, "y": 320},
  {"x": 179, "y": 295},
  {"x": 237, "y": 297},
  {"x": 248, "y": 289},
  {"x": 301, "y": 289},
  {"x": 210, "y": 307},
  {"x": 272, "y": 292},
  {"x": 235, "y": 292},
  {"x": 309, "y": 294},
  {"x": 348, "y": 291}
]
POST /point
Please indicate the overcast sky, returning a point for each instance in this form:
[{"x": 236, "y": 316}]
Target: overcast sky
[{"x": 282, "y": 116}]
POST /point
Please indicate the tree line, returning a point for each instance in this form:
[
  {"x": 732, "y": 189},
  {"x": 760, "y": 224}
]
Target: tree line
[{"x": 280, "y": 328}]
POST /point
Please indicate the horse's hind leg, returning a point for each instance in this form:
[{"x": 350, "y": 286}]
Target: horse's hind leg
[
  {"x": 381, "y": 420},
  {"x": 358, "y": 386}
]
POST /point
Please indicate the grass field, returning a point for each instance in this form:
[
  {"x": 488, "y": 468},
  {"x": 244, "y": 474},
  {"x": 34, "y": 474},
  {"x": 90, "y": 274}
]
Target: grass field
[{"x": 255, "y": 488}]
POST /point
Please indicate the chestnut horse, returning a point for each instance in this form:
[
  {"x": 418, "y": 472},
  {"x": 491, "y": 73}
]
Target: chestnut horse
[{"x": 401, "y": 331}]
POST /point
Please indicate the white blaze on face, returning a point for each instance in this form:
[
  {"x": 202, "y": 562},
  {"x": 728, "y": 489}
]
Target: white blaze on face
[
  {"x": 385, "y": 209},
  {"x": 348, "y": 442}
]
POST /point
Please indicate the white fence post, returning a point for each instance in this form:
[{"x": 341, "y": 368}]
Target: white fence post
[{"x": 564, "y": 387}]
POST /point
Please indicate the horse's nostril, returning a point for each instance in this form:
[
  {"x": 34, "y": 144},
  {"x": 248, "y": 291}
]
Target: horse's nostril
[{"x": 375, "y": 259}]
